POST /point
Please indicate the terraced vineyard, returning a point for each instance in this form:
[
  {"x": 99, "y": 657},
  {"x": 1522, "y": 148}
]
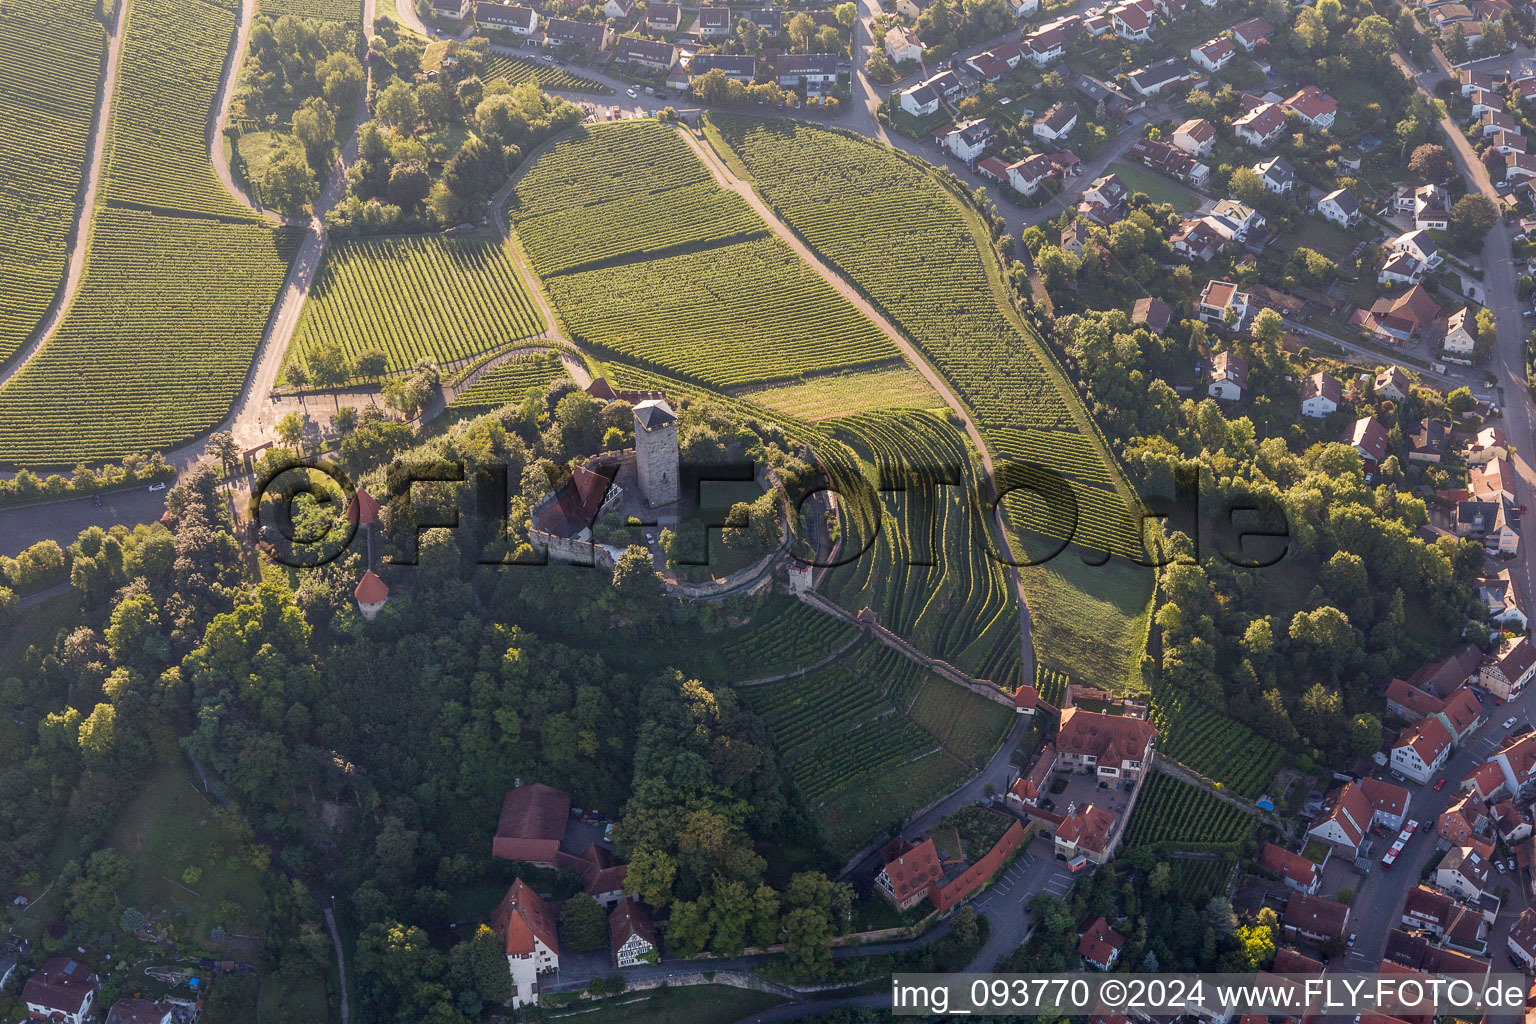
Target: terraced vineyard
[
  {"x": 417, "y": 295},
  {"x": 786, "y": 635},
  {"x": 843, "y": 394},
  {"x": 172, "y": 61},
  {"x": 1201, "y": 880},
  {"x": 508, "y": 382},
  {"x": 520, "y": 69},
  {"x": 740, "y": 314},
  {"x": 156, "y": 344},
  {"x": 349, "y": 11},
  {"x": 847, "y": 728},
  {"x": 1203, "y": 739},
  {"x": 50, "y": 70},
  {"x": 927, "y": 575},
  {"x": 886, "y": 220},
  {"x": 1180, "y": 815}
]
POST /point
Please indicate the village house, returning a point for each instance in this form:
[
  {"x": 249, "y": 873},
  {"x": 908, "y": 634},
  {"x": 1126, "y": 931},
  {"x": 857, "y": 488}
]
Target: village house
[
  {"x": 1490, "y": 521},
  {"x": 1416, "y": 954},
  {"x": 1132, "y": 21},
  {"x": 648, "y": 54},
  {"x": 664, "y": 18},
  {"x": 1197, "y": 240},
  {"x": 920, "y": 100},
  {"x": 1494, "y": 480},
  {"x": 1087, "y": 832},
  {"x": 1498, "y": 121},
  {"x": 1114, "y": 748},
  {"x": 1429, "y": 441},
  {"x": 1277, "y": 174},
  {"x": 1154, "y": 78},
  {"x": 1485, "y": 781},
  {"x": 1320, "y": 395},
  {"x": 140, "y": 1011},
  {"x": 1504, "y": 600},
  {"x": 1227, "y": 377},
  {"x": 1518, "y": 166},
  {"x": 1056, "y": 123},
  {"x": 61, "y": 991},
  {"x": 991, "y": 65},
  {"x": 1249, "y": 34},
  {"x": 967, "y": 141},
  {"x": 1431, "y": 208},
  {"x": 1154, "y": 314},
  {"x": 618, "y": 9},
  {"x": 1261, "y": 126},
  {"x": 1389, "y": 802},
  {"x": 1421, "y": 750},
  {"x": 902, "y": 44},
  {"x": 518, "y": 21},
  {"x": 1470, "y": 80},
  {"x": 1236, "y": 221},
  {"x": 1027, "y": 175},
  {"x": 1099, "y": 944},
  {"x": 1490, "y": 443},
  {"x": 526, "y": 927},
  {"x": 590, "y": 36},
  {"x": 1103, "y": 201},
  {"x": 1484, "y": 100},
  {"x": 1195, "y": 137},
  {"x": 1506, "y": 672},
  {"x": 1339, "y": 206},
  {"x": 1215, "y": 300},
  {"x": 1464, "y": 872},
  {"x": 1507, "y": 143},
  {"x": 631, "y": 936},
  {"x": 1295, "y": 870},
  {"x": 817, "y": 72},
  {"x": 1315, "y": 918},
  {"x": 1171, "y": 161},
  {"x": 1522, "y": 939},
  {"x": 1420, "y": 246},
  {"x": 1464, "y": 820},
  {"x": 1393, "y": 383},
  {"x": 1368, "y": 437},
  {"x": 532, "y": 823},
  {"x": 1405, "y": 316},
  {"x": 713, "y": 23},
  {"x": 737, "y": 67},
  {"x": 1213, "y": 54},
  {"x": 1074, "y": 236},
  {"x": 1516, "y": 760},
  {"x": 1460, "y": 333},
  {"x": 1400, "y": 268},
  {"x": 1315, "y": 107},
  {"x": 909, "y": 871},
  {"x": 1511, "y": 823},
  {"x": 1446, "y": 918}
]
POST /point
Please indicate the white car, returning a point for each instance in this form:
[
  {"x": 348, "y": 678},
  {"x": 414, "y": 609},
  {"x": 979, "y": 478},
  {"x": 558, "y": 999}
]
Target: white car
[
  {"x": 1500, "y": 865},
  {"x": 633, "y": 94},
  {"x": 1509, "y": 723},
  {"x": 157, "y": 487}
]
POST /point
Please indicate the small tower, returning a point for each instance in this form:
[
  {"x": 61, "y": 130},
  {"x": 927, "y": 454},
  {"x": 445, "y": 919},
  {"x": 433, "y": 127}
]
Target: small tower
[
  {"x": 656, "y": 459},
  {"x": 371, "y": 593}
]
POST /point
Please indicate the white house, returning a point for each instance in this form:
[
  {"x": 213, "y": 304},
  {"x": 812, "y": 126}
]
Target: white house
[
  {"x": 920, "y": 100},
  {"x": 1314, "y": 107},
  {"x": 1261, "y": 126},
  {"x": 1213, "y": 54},
  {"x": 452, "y": 10},
  {"x": 527, "y": 928},
  {"x": 1249, "y": 34},
  {"x": 1027, "y": 175},
  {"x": 519, "y": 21},
  {"x": 619, "y": 9},
  {"x": 1460, "y": 333},
  {"x": 1056, "y": 123},
  {"x": 1235, "y": 220},
  {"x": 630, "y": 934},
  {"x": 1522, "y": 939},
  {"x": 1431, "y": 208},
  {"x": 62, "y": 990},
  {"x": 969, "y": 139},
  {"x": 1215, "y": 300},
  {"x": 1277, "y": 174},
  {"x": 1420, "y": 246},
  {"x": 1132, "y": 22},
  {"x": 1227, "y": 377},
  {"x": 1340, "y": 207},
  {"x": 902, "y": 44},
  {"x": 1421, "y": 749},
  {"x": 1464, "y": 872},
  {"x": 1195, "y": 136},
  {"x": 1320, "y": 395},
  {"x": 1023, "y": 8}
]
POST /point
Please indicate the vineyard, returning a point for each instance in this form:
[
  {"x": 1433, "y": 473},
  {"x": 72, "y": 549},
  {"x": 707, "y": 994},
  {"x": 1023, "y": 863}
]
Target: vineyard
[
  {"x": 417, "y": 296},
  {"x": 846, "y": 726},
  {"x": 172, "y": 61},
  {"x": 508, "y": 382},
  {"x": 349, "y": 11},
  {"x": 1206, "y": 741},
  {"x": 928, "y": 576},
  {"x": 50, "y": 69},
  {"x": 886, "y": 221},
  {"x": 786, "y": 635},
  {"x": 156, "y": 345},
  {"x": 1177, "y": 814},
  {"x": 1199, "y": 881},
  {"x": 743, "y": 313},
  {"x": 843, "y": 394},
  {"x": 520, "y": 69}
]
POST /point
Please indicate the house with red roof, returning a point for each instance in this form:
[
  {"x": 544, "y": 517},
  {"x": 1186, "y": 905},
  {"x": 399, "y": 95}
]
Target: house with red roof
[
  {"x": 1484, "y": 781},
  {"x": 1368, "y": 437},
  {"x": 1249, "y": 34},
  {"x": 1421, "y": 749},
  {"x": 1313, "y": 106},
  {"x": 1099, "y": 944},
  {"x": 140, "y": 1011},
  {"x": 1389, "y": 803},
  {"x": 631, "y": 936},
  {"x": 61, "y": 991},
  {"x": 1213, "y": 54},
  {"x": 1404, "y": 316},
  {"x": 1346, "y": 817},
  {"x": 1506, "y": 671},
  {"x": 371, "y": 593},
  {"x": 1522, "y": 939},
  {"x": 1295, "y": 870},
  {"x": 1464, "y": 819},
  {"x": 532, "y": 823},
  {"x": 910, "y": 870},
  {"x": 1026, "y": 699},
  {"x": 1087, "y": 832},
  {"x": 526, "y": 926},
  {"x": 1112, "y": 747},
  {"x": 1314, "y": 917},
  {"x": 1195, "y": 136},
  {"x": 1261, "y": 126}
]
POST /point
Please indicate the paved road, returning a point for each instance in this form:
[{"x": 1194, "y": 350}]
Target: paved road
[
  {"x": 80, "y": 232},
  {"x": 62, "y": 521},
  {"x": 220, "y": 120}
]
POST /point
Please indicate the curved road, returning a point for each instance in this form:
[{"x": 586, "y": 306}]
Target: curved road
[{"x": 221, "y": 164}]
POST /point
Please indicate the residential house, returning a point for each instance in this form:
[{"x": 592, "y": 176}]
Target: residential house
[
  {"x": 1517, "y": 761},
  {"x": 1491, "y": 521},
  {"x": 1261, "y": 126},
  {"x": 817, "y": 72},
  {"x": 1415, "y": 955},
  {"x": 1099, "y": 944},
  {"x": 140, "y": 1011},
  {"x": 1490, "y": 443},
  {"x": 532, "y": 823},
  {"x": 1463, "y": 820},
  {"x": 1213, "y": 54},
  {"x": 1429, "y": 441},
  {"x": 1249, "y": 34},
  {"x": 1112, "y": 747},
  {"x": 1116, "y": 101},
  {"x": 595, "y": 37},
  {"x": 1103, "y": 201},
  {"x": 1512, "y": 824},
  {"x": 452, "y": 10},
  {"x": 902, "y": 44},
  {"x": 1023, "y": 8},
  {"x": 518, "y": 21},
  {"x": 1236, "y": 220},
  {"x": 602, "y": 875},
  {"x": 1277, "y": 174},
  {"x": 1197, "y": 240},
  {"x": 1087, "y": 832},
  {"x": 1522, "y": 939},
  {"x": 1027, "y": 788},
  {"x": 1460, "y": 333},
  {"x": 1027, "y": 175},
  {"x": 1314, "y": 918},
  {"x": 1484, "y": 100},
  {"x": 1056, "y": 123},
  {"x": 1320, "y": 395},
  {"x": 664, "y": 18},
  {"x": 1506, "y": 672},
  {"x": 769, "y": 19},
  {"x": 1446, "y": 918},
  {"x": 1431, "y": 208},
  {"x": 1420, "y": 246},
  {"x": 1393, "y": 383},
  {"x": 1215, "y": 300},
  {"x": 1295, "y": 870},
  {"x": 713, "y": 23},
  {"x": 1519, "y": 166},
  {"x": 1154, "y": 314},
  {"x": 631, "y": 936},
  {"x": 1045, "y": 46},
  {"x": 1389, "y": 803},
  {"x": 1195, "y": 136},
  {"x": 991, "y": 65},
  {"x": 1315, "y": 107},
  {"x": 649, "y": 54},
  {"x": 1404, "y": 316},
  {"x": 1421, "y": 750},
  {"x": 1464, "y": 872},
  {"x": 1132, "y": 21},
  {"x": 1340, "y": 207},
  {"x": 920, "y": 100},
  {"x": 62, "y": 991},
  {"x": 1368, "y": 437},
  {"x": 1486, "y": 780},
  {"x": 1507, "y": 143},
  {"x": 1498, "y": 121},
  {"x": 526, "y": 926},
  {"x": 1494, "y": 480},
  {"x": 1401, "y": 268},
  {"x": 909, "y": 871},
  {"x": 737, "y": 67},
  {"x": 1171, "y": 161},
  {"x": 1504, "y": 600},
  {"x": 967, "y": 140},
  {"x": 1154, "y": 78},
  {"x": 618, "y": 9},
  {"x": 1074, "y": 236},
  {"x": 1471, "y": 80}
]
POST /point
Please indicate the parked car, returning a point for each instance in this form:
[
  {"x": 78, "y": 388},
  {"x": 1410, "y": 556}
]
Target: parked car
[
  {"x": 157, "y": 487},
  {"x": 1440, "y": 784},
  {"x": 1500, "y": 865},
  {"x": 1509, "y": 723}
]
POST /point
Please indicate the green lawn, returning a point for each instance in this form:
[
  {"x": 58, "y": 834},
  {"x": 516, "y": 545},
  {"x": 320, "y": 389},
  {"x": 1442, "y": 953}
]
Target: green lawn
[
  {"x": 1321, "y": 235},
  {"x": 850, "y": 818},
  {"x": 1139, "y": 179},
  {"x": 698, "y": 1004},
  {"x": 259, "y": 149}
]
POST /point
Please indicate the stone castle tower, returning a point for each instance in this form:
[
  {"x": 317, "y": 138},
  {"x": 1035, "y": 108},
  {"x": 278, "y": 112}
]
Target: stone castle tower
[{"x": 656, "y": 459}]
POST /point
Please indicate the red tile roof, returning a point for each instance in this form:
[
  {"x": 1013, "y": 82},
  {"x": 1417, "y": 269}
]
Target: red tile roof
[
  {"x": 1110, "y": 738},
  {"x": 1312, "y": 103},
  {"x": 137, "y": 1011},
  {"x": 1350, "y": 808},
  {"x": 1088, "y": 827},
  {"x": 1429, "y": 739},
  {"x": 362, "y": 509},
  {"x": 1315, "y": 915},
  {"x": 914, "y": 870},
  {"x": 370, "y": 589},
  {"x": 1385, "y": 798},
  {"x": 628, "y": 919},
  {"x": 523, "y": 917},
  {"x": 1099, "y": 942},
  {"x": 62, "y": 984},
  {"x": 533, "y": 820},
  {"x": 1412, "y": 698},
  {"x": 1368, "y": 437},
  {"x": 576, "y": 504},
  {"x": 1287, "y": 864}
]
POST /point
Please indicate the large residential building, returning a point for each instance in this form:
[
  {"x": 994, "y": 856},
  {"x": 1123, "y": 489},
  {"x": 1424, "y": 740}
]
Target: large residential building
[
  {"x": 816, "y": 71},
  {"x": 1315, "y": 107},
  {"x": 61, "y": 991},
  {"x": 1112, "y": 747},
  {"x": 1215, "y": 300},
  {"x": 1321, "y": 395},
  {"x": 1195, "y": 137},
  {"x": 1261, "y": 126},
  {"x": 1464, "y": 872},
  {"x": 526, "y": 927},
  {"x": 1421, "y": 750},
  {"x": 517, "y": 21},
  {"x": 1506, "y": 672}
]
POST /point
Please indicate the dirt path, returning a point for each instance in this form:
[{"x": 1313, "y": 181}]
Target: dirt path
[
  {"x": 80, "y": 234},
  {"x": 221, "y": 164},
  {"x": 727, "y": 180}
]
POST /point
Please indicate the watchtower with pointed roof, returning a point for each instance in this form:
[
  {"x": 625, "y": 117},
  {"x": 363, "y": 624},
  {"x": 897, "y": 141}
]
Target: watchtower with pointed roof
[{"x": 656, "y": 458}]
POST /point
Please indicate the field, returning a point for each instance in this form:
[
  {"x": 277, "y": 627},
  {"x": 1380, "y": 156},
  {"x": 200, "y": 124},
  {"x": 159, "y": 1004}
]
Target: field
[
  {"x": 508, "y": 382},
  {"x": 173, "y": 59},
  {"x": 417, "y": 296},
  {"x": 156, "y": 345},
  {"x": 1202, "y": 739},
  {"x": 847, "y": 725},
  {"x": 1158, "y": 189},
  {"x": 1177, "y": 814},
  {"x": 50, "y": 69},
  {"x": 740, "y": 314},
  {"x": 520, "y": 69},
  {"x": 844, "y": 394},
  {"x": 886, "y": 221},
  {"x": 927, "y": 574},
  {"x": 349, "y": 11}
]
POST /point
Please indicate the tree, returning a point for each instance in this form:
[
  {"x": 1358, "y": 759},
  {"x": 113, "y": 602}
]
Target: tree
[
  {"x": 807, "y": 942},
  {"x": 1310, "y": 30},
  {"x": 344, "y": 419},
  {"x": 634, "y": 573},
  {"x": 1456, "y": 48},
  {"x": 328, "y": 364},
  {"x": 1374, "y": 35},
  {"x": 297, "y": 374},
  {"x": 290, "y": 429},
  {"x": 583, "y": 925},
  {"x": 314, "y": 124},
  {"x": 221, "y": 445},
  {"x": 878, "y": 67},
  {"x": 1431, "y": 163},
  {"x": 1246, "y": 185},
  {"x": 397, "y": 107},
  {"x": 409, "y": 184},
  {"x": 688, "y": 930},
  {"x": 371, "y": 362},
  {"x": 801, "y": 30},
  {"x": 1268, "y": 328},
  {"x": 1472, "y": 218},
  {"x": 341, "y": 78},
  {"x": 289, "y": 184}
]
